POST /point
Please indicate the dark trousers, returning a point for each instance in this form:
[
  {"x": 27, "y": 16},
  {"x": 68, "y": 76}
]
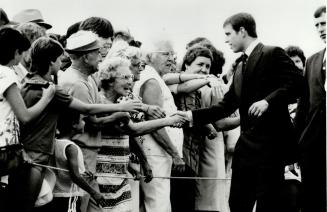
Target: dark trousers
[
  {"x": 182, "y": 192},
  {"x": 313, "y": 172},
  {"x": 252, "y": 184},
  {"x": 291, "y": 196}
]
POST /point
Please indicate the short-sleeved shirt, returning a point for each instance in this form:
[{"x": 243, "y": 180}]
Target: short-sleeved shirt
[
  {"x": 85, "y": 89},
  {"x": 9, "y": 125},
  {"x": 39, "y": 134}
]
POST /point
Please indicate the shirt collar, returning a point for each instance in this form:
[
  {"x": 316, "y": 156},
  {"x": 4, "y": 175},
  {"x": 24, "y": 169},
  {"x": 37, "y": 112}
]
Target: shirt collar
[
  {"x": 36, "y": 80},
  {"x": 250, "y": 48}
]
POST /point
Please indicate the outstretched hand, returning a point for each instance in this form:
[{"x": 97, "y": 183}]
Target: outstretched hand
[
  {"x": 131, "y": 106},
  {"x": 155, "y": 111},
  {"x": 177, "y": 120}
]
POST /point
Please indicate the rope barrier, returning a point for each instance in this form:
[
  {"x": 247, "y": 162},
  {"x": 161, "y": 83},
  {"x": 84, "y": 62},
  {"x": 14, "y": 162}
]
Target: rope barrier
[{"x": 135, "y": 178}]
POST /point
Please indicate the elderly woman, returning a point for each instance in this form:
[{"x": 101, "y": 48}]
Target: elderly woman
[
  {"x": 204, "y": 156},
  {"x": 112, "y": 163}
]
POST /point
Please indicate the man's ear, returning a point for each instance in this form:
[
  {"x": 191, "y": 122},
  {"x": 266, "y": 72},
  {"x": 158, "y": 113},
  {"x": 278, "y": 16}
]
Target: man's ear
[
  {"x": 243, "y": 31},
  {"x": 85, "y": 58}
]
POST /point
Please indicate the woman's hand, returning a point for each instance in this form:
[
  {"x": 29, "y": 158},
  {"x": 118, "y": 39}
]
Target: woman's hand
[
  {"x": 133, "y": 106},
  {"x": 155, "y": 111},
  {"x": 177, "y": 120},
  {"x": 148, "y": 175},
  {"x": 122, "y": 117},
  {"x": 178, "y": 164}
]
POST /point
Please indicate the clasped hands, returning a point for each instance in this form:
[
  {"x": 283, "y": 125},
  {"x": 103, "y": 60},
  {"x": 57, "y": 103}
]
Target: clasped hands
[{"x": 180, "y": 118}]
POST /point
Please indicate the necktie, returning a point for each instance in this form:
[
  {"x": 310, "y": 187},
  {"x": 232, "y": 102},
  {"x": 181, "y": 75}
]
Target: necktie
[{"x": 244, "y": 60}]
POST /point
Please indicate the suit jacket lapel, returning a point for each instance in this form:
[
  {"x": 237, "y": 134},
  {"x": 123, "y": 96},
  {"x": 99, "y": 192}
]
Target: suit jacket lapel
[
  {"x": 253, "y": 60},
  {"x": 318, "y": 67}
]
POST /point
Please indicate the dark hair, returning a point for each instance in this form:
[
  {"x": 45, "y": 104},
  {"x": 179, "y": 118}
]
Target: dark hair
[
  {"x": 320, "y": 11},
  {"x": 60, "y": 38},
  {"x": 44, "y": 51},
  {"x": 218, "y": 57},
  {"x": 10, "y": 41},
  {"x": 196, "y": 41},
  {"x": 244, "y": 20},
  {"x": 73, "y": 29},
  {"x": 100, "y": 26},
  {"x": 193, "y": 53},
  {"x": 293, "y": 51}
]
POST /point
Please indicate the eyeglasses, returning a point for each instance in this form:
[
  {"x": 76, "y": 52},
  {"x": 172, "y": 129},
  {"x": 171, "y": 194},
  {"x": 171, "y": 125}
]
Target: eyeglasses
[
  {"x": 167, "y": 53},
  {"x": 140, "y": 64},
  {"x": 125, "y": 76}
]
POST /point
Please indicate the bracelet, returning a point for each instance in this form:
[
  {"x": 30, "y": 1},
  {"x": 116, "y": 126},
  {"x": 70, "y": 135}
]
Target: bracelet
[{"x": 180, "y": 78}]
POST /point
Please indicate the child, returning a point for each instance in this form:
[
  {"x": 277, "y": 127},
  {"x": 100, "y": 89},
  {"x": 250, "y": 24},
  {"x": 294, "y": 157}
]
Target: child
[{"x": 69, "y": 156}]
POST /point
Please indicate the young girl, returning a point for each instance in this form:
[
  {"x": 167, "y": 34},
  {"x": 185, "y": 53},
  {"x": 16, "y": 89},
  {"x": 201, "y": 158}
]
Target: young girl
[
  {"x": 12, "y": 106},
  {"x": 38, "y": 136}
]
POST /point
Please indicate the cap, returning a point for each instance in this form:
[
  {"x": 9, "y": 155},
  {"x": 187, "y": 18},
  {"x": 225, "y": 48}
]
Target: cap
[
  {"x": 82, "y": 41},
  {"x": 31, "y": 15}
]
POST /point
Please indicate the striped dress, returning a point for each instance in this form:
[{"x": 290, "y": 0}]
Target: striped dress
[{"x": 112, "y": 162}]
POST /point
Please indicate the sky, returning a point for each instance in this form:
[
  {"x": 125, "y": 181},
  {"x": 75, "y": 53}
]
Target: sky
[{"x": 279, "y": 22}]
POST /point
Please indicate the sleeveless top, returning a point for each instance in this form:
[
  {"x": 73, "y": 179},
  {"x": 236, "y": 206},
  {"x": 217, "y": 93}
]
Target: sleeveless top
[
  {"x": 64, "y": 181},
  {"x": 149, "y": 145}
]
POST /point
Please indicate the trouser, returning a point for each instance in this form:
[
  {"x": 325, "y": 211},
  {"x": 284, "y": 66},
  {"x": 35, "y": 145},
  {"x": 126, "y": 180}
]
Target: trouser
[
  {"x": 90, "y": 158},
  {"x": 313, "y": 172},
  {"x": 290, "y": 196},
  {"x": 182, "y": 191},
  {"x": 252, "y": 184},
  {"x": 156, "y": 193}
]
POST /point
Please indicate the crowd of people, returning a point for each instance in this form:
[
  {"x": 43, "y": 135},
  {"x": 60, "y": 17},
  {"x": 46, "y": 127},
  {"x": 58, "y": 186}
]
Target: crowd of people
[{"x": 91, "y": 121}]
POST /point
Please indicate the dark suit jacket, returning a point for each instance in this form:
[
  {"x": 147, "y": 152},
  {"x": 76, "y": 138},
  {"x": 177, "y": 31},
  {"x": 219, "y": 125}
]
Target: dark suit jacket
[
  {"x": 310, "y": 118},
  {"x": 271, "y": 75}
]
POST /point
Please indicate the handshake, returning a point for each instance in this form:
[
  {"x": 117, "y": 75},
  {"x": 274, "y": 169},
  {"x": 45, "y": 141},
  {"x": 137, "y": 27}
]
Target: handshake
[{"x": 179, "y": 119}]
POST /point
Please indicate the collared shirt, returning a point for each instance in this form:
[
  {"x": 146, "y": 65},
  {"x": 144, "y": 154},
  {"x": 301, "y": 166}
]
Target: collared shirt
[
  {"x": 83, "y": 88},
  {"x": 251, "y": 47},
  {"x": 38, "y": 135}
]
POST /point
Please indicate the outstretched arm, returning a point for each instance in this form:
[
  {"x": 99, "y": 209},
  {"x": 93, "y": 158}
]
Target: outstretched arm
[
  {"x": 176, "y": 78},
  {"x": 147, "y": 127},
  {"x": 85, "y": 108}
]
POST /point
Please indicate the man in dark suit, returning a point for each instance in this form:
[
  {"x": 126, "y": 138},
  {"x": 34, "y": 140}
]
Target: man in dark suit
[
  {"x": 267, "y": 82},
  {"x": 311, "y": 123}
]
